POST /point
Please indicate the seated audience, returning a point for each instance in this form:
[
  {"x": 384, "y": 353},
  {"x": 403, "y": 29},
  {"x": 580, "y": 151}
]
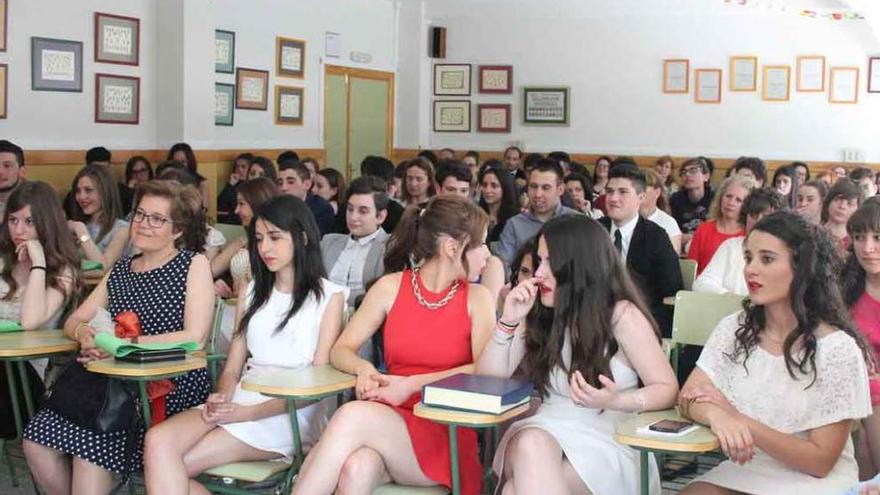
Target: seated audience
[
  {"x": 214, "y": 239},
  {"x": 522, "y": 268},
  {"x": 472, "y": 160},
  {"x": 262, "y": 167},
  {"x": 751, "y": 167},
  {"x": 665, "y": 169},
  {"x": 381, "y": 168},
  {"x": 313, "y": 166},
  {"x": 330, "y": 185},
  {"x": 545, "y": 190},
  {"x": 655, "y": 208},
  {"x": 723, "y": 221},
  {"x": 785, "y": 180},
  {"x": 234, "y": 257},
  {"x": 355, "y": 260},
  {"x": 454, "y": 177},
  {"x": 839, "y": 171},
  {"x": 290, "y": 317},
  {"x": 828, "y": 177},
  {"x": 39, "y": 275},
  {"x": 12, "y": 171},
  {"x": 167, "y": 289},
  {"x": 865, "y": 179},
  {"x": 513, "y": 160},
  {"x": 600, "y": 181},
  {"x": 840, "y": 203},
  {"x": 580, "y": 190},
  {"x": 295, "y": 179},
  {"x": 183, "y": 153},
  {"x": 227, "y": 199},
  {"x": 287, "y": 156},
  {"x": 94, "y": 216},
  {"x": 690, "y": 205},
  {"x": 724, "y": 274},
  {"x": 811, "y": 195},
  {"x": 860, "y": 283},
  {"x": 446, "y": 243},
  {"x": 418, "y": 186},
  {"x": 497, "y": 198},
  {"x": 137, "y": 171},
  {"x": 803, "y": 172},
  {"x": 781, "y": 382},
  {"x": 583, "y": 335},
  {"x": 428, "y": 156},
  {"x": 446, "y": 154},
  {"x": 642, "y": 244}
]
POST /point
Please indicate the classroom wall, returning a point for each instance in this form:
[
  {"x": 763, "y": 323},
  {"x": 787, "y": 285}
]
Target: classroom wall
[{"x": 610, "y": 54}]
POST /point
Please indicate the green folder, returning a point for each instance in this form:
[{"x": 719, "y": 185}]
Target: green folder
[
  {"x": 118, "y": 347},
  {"x": 10, "y": 326},
  {"x": 89, "y": 265}
]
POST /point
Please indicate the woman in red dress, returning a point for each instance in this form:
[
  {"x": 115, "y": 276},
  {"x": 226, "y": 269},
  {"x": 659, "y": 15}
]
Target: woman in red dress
[{"x": 435, "y": 325}]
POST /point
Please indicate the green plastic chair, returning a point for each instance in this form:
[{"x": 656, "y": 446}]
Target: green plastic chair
[
  {"x": 688, "y": 273},
  {"x": 230, "y": 231},
  {"x": 696, "y": 314},
  {"x": 212, "y": 356}
]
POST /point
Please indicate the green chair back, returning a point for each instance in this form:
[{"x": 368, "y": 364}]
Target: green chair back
[
  {"x": 688, "y": 272},
  {"x": 697, "y": 314},
  {"x": 230, "y": 231}
]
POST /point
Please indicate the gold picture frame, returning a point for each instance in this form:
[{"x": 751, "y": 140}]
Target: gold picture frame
[
  {"x": 806, "y": 67},
  {"x": 290, "y": 57},
  {"x": 289, "y": 105},
  {"x": 776, "y": 83},
  {"x": 676, "y": 76},
  {"x": 743, "y": 73},
  {"x": 843, "y": 85},
  {"x": 707, "y": 85}
]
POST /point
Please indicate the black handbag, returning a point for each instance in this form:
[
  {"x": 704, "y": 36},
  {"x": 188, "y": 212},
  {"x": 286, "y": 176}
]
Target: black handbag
[{"x": 93, "y": 400}]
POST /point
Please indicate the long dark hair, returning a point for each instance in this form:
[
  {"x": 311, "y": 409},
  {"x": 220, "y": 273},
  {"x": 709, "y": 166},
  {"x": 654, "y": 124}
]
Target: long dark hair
[
  {"x": 790, "y": 172},
  {"x": 289, "y": 214},
  {"x": 111, "y": 205},
  {"x": 865, "y": 220},
  {"x": 52, "y": 233},
  {"x": 814, "y": 294},
  {"x": 587, "y": 289},
  {"x": 508, "y": 206},
  {"x": 191, "y": 163},
  {"x": 129, "y": 167}
]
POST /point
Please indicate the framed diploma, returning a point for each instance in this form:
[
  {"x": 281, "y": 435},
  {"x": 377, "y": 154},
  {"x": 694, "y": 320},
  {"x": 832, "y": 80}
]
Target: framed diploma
[
  {"x": 4, "y": 91},
  {"x": 743, "y": 74},
  {"x": 452, "y": 79},
  {"x": 708, "y": 85},
  {"x": 290, "y": 57},
  {"x": 844, "y": 84},
  {"x": 810, "y": 74},
  {"x": 452, "y": 116},
  {"x": 224, "y": 104},
  {"x": 496, "y": 79},
  {"x": 56, "y": 65},
  {"x": 493, "y": 118},
  {"x": 288, "y": 105},
  {"x": 224, "y": 51},
  {"x": 547, "y": 106},
  {"x": 117, "y": 39},
  {"x": 4, "y": 10},
  {"x": 777, "y": 81},
  {"x": 676, "y": 75},
  {"x": 874, "y": 75},
  {"x": 117, "y": 99},
  {"x": 252, "y": 89}
]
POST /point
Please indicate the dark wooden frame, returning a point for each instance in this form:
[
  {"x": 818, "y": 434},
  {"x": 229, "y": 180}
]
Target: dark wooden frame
[
  {"x": 506, "y": 68},
  {"x": 538, "y": 89},
  {"x": 97, "y": 38},
  {"x": 279, "y": 90},
  {"x": 871, "y": 74},
  {"x": 38, "y": 85},
  {"x": 280, "y": 42},
  {"x": 137, "y": 105},
  {"x": 231, "y": 105},
  {"x": 239, "y": 73},
  {"x": 5, "y": 24},
  {"x": 493, "y": 106}
]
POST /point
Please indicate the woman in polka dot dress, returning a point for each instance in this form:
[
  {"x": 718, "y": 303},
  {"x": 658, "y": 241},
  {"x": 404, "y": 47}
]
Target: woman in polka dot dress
[{"x": 170, "y": 288}]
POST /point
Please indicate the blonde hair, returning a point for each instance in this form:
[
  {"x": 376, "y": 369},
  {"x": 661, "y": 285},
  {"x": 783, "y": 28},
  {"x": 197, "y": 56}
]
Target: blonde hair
[
  {"x": 652, "y": 179},
  {"x": 744, "y": 182}
]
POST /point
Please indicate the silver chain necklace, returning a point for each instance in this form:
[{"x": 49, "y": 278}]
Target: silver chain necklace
[{"x": 431, "y": 305}]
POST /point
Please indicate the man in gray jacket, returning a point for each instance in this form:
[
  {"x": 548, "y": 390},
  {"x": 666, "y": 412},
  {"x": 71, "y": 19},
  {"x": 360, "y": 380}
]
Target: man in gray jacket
[{"x": 355, "y": 259}]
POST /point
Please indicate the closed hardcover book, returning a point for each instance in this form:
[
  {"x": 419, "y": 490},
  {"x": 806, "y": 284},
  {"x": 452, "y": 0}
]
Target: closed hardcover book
[{"x": 485, "y": 394}]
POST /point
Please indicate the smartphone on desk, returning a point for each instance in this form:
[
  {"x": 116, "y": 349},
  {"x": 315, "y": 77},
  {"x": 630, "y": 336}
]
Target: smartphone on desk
[{"x": 670, "y": 426}]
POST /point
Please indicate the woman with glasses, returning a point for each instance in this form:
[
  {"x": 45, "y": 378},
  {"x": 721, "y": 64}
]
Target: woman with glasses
[
  {"x": 137, "y": 171},
  {"x": 167, "y": 287}
]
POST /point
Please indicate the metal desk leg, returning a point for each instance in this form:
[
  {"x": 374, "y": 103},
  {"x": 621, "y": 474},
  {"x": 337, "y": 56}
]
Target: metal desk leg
[
  {"x": 299, "y": 456},
  {"x": 13, "y": 396},
  {"x": 453, "y": 454},
  {"x": 26, "y": 387},
  {"x": 145, "y": 404},
  {"x": 644, "y": 473}
]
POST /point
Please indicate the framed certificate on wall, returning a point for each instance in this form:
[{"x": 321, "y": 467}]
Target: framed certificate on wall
[
  {"x": 708, "y": 86},
  {"x": 844, "y": 83},
  {"x": 777, "y": 83},
  {"x": 743, "y": 73},
  {"x": 546, "y": 106},
  {"x": 874, "y": 75},
  {"x": 676, "y": 75},
  {"x": 810, "y": 74}
]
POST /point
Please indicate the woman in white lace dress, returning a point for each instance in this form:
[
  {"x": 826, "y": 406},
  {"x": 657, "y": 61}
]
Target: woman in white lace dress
[
  {"x": 584, "y": 337},
  {"x": 781, "y": 382}
]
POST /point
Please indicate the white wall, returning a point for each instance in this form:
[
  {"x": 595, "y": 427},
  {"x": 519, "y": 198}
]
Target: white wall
[{"x": 610, "y": 54}]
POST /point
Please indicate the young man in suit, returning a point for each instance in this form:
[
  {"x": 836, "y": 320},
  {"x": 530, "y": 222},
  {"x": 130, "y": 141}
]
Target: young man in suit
[
  {"x": 295, "y": 179},
  {"x": 644, "y": 245},
  {"x": 354, "y": 260}
]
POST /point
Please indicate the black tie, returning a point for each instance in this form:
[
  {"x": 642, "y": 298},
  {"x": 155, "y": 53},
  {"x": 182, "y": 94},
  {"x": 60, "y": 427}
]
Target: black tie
[{"x": 618, "y": 241}]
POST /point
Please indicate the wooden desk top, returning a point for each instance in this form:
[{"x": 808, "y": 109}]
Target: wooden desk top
[
  {"x": 465, "y": 418},
  {"x": 701, "y": 440},
  {"x": 34, "y": 343},
  {"x": 299, "y": 382},
  {"x": 110, "y": 366}
]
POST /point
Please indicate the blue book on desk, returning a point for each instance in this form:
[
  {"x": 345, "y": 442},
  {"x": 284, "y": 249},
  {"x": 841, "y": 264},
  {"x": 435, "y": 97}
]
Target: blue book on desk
[{"x": 484, "y": 394}]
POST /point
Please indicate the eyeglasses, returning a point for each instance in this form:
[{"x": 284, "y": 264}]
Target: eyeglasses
[
  {"x": 690, "y": 171},
  {"x": 154, "y": 221},
  {"x": 139, "y": 170}
]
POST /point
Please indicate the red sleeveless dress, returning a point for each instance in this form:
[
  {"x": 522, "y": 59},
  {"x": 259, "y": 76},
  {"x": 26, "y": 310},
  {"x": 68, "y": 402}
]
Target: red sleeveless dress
[{"x": 419, "y": 340}]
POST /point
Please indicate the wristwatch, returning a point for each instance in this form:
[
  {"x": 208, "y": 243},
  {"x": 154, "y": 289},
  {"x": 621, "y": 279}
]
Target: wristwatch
[{"x": 84, "y": 239}]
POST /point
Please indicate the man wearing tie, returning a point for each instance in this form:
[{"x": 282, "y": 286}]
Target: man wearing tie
[{"x": 644, "y": 245}]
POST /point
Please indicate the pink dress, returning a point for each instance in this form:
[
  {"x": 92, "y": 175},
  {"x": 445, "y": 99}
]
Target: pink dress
[{"x": 866, "y": 313}]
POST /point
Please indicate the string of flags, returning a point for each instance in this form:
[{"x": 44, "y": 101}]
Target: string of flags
[{"x": 829, "y": 15}]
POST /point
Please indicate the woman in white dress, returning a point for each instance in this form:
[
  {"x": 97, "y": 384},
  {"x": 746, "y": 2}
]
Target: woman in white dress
[
  {"x": 290, "y": 317},
  {"x": 584, "y": 337},
  {"x": 781, "y": 382}
]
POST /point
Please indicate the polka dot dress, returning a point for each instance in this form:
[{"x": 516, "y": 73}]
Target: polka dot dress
[{"x": 158, "y": 297}]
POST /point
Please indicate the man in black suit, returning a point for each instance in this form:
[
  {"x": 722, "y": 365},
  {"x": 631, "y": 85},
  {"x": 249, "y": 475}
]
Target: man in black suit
[{"x": 644, "y": 245}]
